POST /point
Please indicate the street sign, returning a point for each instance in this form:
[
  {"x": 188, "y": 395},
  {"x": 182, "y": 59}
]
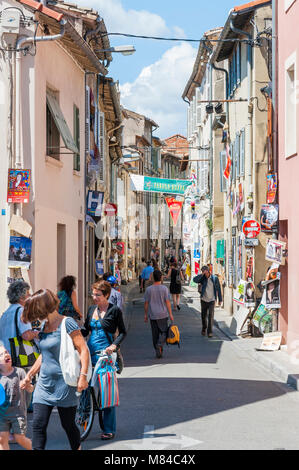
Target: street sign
[
  {"x": 251, "y": 228},
  {"x": 251, "y": 242}
]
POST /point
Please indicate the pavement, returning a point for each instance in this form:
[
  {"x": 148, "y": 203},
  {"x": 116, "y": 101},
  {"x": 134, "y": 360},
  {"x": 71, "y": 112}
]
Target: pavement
[{"x": 283, "y": 365}]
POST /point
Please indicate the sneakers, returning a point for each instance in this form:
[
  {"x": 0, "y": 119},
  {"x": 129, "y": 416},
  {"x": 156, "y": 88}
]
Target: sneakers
[
  {"x": 179, "y": 308},
  {"x": 210, "y": 335},
  {"x": 203, "y": 332},
  {"x": 159, "y": 352}
]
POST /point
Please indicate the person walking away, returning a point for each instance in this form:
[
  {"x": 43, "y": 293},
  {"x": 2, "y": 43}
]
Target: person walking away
[
  {"x": 68, "y": 298},
  {"x": 176, "y": 278},
  {"x": 51, "y": 390},
  {"x": 13, "y": 412},
  {"x": 140, "y": 268},
  {"x": 115, "y": 296},
  {"x": 146, "y": 275},
  {"x": 103, "y": 320},
  {"x": 17, "y": 294},
  {"x": 210, "y": 290},
  {"x": 157, "y": 308}
]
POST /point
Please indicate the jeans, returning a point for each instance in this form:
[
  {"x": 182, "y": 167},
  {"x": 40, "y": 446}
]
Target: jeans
[
  {"x": 109, "y": 420},
  {"x": 159, "y": 331},
  {"x": 41, "y": 416},
  {"x": 207, "y": 310}
]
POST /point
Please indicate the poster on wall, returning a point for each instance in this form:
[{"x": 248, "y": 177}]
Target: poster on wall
[
  {"x": 271, "y": 188},
  {"x": 275, "y": 251},
  {"x": 249, "y": 294},
  {"x": 269, "y": 218},
  {"x": 19, "y": 252},
  {"x": 273, "y": 294},
  {"x": 18, "y": 187},
  {"x": 239, "y": 293}
]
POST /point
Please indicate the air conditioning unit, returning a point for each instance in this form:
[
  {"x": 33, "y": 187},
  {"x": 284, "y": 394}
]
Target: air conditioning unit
[{"x": 10, "y": 21}]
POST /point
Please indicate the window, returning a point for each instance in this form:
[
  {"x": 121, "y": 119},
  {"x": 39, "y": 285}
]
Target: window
[
  {"x": 61, "y": 251},
  {"x": 235, "y": 70},
  {"x": 55, "y": 116},
  {"x": 242, "y": 152},
  {"x": 76, "y": 165},
  {"x": 223, "y": 182},
  {"x": 290, "y": 106}
]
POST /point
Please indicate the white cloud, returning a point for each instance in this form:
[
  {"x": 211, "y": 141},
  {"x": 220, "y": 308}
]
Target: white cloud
[
  {"x": 157, "y": 91},
  {"x": 118, "y": 19}
]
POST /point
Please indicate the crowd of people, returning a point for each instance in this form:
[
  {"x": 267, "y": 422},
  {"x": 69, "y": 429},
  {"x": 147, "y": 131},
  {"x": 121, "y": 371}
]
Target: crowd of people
[{"x": 38, "y": 317}]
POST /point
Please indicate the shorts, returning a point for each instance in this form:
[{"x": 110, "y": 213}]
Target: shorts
[{"x": 15, "y": 425}]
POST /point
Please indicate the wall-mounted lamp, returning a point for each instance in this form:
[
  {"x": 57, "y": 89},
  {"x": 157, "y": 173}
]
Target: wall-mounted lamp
[{"x": 209, "y": 108}]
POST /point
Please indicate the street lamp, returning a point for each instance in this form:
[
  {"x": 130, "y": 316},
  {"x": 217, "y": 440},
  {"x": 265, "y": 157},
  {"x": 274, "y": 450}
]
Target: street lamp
[{"x": 124, "y": 50}]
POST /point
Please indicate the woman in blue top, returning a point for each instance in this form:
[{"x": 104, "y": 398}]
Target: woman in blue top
[
  {"x": 51, "y": 389},
  {"x": 67, "y": 296},
  {"x": 102, "y": 322}
]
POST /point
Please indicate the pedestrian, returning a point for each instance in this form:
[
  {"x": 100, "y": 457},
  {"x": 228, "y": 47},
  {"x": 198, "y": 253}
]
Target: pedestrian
[
  {"x": 103, "y": 320},
  {"x": 17, "y": 294},
  {"x": 157, "y": 308},
  {"x": 146, "y": 275},
  {"x": 176, "y": 278},
  {"x": 210, "y": 289},
  {"x": 51, "y": 390},
  {"x": 140, "y": 268},
  {"x": 13, "y": 412},
  {"x": 67, "y": 296},
  {"x": 183, "y": 269},
  {"x": 115, "y": 296}
]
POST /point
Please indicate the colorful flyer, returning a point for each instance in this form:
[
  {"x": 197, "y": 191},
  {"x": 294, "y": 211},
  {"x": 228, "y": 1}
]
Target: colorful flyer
[
  {"x": 175, "y": 208},
  {"x": 19, "y": 252},
  {"x": 271, "y": 188},
  {"x": 18, "y": 187}
]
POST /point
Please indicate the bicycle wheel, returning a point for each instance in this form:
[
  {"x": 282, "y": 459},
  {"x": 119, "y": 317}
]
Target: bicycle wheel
[{"x": 85, "y": 413}]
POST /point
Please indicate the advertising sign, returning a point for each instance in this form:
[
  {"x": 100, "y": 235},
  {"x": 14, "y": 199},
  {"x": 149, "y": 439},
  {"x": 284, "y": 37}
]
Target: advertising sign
[
  {"x": 227, "y": 170},
  {"x": 275, "y": 251},
  {"x": 19, "y": 252},
  {"x": 159, "y": 185},
  {"x": 99, "y": 267},
  {"x": 271, "y": 188},
  {"x": 251, "y": 228},
  {"x": 18, "y": 187}
]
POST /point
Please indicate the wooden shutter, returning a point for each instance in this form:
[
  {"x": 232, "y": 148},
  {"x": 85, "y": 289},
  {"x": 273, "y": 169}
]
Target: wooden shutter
[
  {"x": 198, "y": 107},
  {"x": 223, "y": 181},
  {"x": 237, "y": 153},
  {"x": 76, "y": 164},
  {"x": 61, "y": 122},
  {"x": 242, "y": 152},
  {"x": 87, "y": 122},
  {"x": 101, "y": 145},
  {"x": 238, "y": 52}
]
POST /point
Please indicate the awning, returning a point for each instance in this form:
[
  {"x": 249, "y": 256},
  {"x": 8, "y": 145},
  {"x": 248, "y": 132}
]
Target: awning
[{"x": 61, "y": 123}]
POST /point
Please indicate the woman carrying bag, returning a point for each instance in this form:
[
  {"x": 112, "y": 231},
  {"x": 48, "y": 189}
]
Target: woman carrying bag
[
  {"x": 103, "y": 320},
  {"x": 51, "y": 389}
]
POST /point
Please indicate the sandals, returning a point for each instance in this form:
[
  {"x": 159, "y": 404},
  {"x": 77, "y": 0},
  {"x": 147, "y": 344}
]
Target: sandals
[{"x": 106, "y": 436}]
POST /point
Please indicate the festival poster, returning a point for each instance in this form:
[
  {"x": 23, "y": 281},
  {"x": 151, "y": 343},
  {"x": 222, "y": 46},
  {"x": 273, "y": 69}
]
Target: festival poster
[
  {"x": 269, "y": 218},
  {"x": 239, "y": 293},
  {"x": 271, "y": 188},
  {"x": 19, "y": 252},
  {"x": 18, "y": 187},
  {"x": 275, "y": 250}
]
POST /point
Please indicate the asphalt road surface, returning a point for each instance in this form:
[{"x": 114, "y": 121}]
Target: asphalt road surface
[{"x": 207, "y": 395}]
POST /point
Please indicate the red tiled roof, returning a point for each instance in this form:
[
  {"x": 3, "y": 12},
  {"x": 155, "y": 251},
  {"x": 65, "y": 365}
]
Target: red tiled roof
[
  {"x": 250, "y": 5},
  {"x": 37, "y": 6}
]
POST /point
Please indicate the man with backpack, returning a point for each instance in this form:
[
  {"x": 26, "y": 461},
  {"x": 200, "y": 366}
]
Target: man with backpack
[
  {"x": 157, "y": 308},
  {"x": 209, "y": 288}
]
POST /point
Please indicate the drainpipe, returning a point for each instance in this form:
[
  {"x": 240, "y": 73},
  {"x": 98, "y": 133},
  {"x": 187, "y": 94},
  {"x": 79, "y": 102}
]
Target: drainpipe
[{"x": 249, "y": 93}]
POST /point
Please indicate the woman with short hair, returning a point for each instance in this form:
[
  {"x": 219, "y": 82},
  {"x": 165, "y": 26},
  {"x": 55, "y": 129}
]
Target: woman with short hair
[
  {"x": 51, "y": 389},
  {"x": 103, "y": 321}
]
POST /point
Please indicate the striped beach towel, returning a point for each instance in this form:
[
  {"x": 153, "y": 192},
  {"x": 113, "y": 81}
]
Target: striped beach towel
[{"x": 108, "y": 386}]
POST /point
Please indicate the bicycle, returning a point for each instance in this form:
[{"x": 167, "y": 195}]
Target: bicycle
[{"x": 88, "y": 405}]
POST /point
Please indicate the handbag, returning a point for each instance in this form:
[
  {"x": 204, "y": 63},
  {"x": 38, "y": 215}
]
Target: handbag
[
  {"x": 69, "y": 359},
  {"x": 23, "y": 353},
  {"x": 119, "y": 356},
  {"x": 105, "y": 371}
]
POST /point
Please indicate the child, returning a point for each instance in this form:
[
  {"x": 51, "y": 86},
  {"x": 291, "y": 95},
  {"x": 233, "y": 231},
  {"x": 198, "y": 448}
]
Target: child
[{"x": 13, "y": 414}]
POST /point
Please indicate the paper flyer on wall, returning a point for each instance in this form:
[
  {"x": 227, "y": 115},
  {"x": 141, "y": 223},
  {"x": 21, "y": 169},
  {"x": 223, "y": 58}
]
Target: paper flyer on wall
[
  {"x": 19, "y": 252},
  {"x": 275, "y": 251}
]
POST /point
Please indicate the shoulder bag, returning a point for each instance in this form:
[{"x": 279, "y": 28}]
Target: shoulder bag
[
  {"x": 119, "y": 359},
  {"x": 23, "y": 353}
]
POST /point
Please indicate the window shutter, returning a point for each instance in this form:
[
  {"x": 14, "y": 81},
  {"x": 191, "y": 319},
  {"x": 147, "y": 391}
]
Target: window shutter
[
  {"x": 237, "y": 151},
  {"x": 223, "y": 182},
  {"x": 198, "y": 107},
  {"x": 87, "y": 122},
  {"x": 239, "y": 63},
  {"x": 101, "y": 145},
  {"x": 232, "y": 154},
  {"x": 242, "y": 153},
  {"x": 76, "y": 116}
]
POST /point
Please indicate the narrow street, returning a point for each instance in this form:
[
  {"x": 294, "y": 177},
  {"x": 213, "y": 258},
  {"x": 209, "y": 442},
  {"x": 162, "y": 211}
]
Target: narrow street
[{"x": 206, "y": 395}]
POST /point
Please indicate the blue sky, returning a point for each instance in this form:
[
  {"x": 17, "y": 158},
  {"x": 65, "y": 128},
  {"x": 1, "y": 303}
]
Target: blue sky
[{"x": 153, "y": 79}]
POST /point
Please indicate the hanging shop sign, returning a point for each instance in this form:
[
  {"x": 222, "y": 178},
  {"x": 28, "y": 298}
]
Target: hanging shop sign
[
  {"x": 159, "y": 185},
  {"x": 174, "y": 207},
  {"x": 251, "y": 228},
  {"x": 275, "y": 251},
  {"x": 251, "y": 242},
  {"x": 99, "y": 267},
  {"x": 269, "y": 218},
  {"x": 271, "y": 188},
  {"x": 18, "y": 187},
  {"x": 94, "y": 203},
  {"x": 19, "y": 252}
]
